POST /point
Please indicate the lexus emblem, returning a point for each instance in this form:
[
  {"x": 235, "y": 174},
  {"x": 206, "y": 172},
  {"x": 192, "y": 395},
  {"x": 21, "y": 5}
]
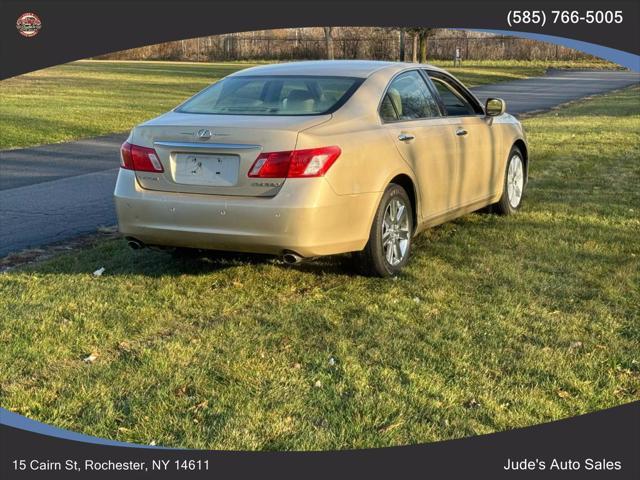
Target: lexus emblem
[{"x": 204, "y": 134}]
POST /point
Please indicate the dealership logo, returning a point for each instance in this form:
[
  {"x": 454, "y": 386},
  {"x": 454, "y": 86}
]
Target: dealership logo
[
  {"x": 204, "y": 134},
  {"x": 28, "y": 24}
]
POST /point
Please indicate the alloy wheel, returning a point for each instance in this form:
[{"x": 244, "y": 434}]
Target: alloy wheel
[
  {"x": 515, "y": 181},
  {"x": 395, "y": 231}
]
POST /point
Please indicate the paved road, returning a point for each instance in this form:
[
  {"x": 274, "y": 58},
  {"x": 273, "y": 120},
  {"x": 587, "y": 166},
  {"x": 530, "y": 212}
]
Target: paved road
[
  {"x": 558, "y": 86},
  {"x": 56, "y": 192}
]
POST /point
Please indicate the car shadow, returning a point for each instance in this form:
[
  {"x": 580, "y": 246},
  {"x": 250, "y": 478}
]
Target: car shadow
[
  {"x": 210, "y": 261},
  {"x": 119, "y": 260},
  {"x": 150, "y": 262}
]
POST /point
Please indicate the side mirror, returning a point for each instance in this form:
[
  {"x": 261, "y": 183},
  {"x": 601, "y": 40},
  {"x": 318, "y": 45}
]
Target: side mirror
[{"x": 495, "y": 107}]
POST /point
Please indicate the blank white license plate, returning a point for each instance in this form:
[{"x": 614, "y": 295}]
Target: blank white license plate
[{"x": 207, "y": 169}]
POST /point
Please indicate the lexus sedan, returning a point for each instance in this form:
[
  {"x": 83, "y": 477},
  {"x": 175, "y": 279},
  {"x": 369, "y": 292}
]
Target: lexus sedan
[{"x": 319, "y": 158}]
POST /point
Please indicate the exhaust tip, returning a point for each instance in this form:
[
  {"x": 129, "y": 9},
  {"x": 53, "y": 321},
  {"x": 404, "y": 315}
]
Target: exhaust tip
[
  {"x": 135, "y": 244},
  {"x": 291, "y": 258}
]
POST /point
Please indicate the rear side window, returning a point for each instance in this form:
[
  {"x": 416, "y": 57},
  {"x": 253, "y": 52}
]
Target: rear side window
[
  {"x": 408, "y": 98},
  {"x": 273, "y": 95}
]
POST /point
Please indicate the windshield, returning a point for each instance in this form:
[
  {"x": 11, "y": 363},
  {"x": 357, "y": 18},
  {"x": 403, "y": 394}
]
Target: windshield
[{"x": 273, "y": 95}]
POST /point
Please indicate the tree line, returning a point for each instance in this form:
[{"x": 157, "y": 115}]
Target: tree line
[{"x": 405, "y": 44}]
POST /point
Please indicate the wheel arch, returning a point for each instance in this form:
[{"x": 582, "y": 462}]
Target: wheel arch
[
  {"x": 522, "y": 146},
  {"x": 406, "y": 182}
]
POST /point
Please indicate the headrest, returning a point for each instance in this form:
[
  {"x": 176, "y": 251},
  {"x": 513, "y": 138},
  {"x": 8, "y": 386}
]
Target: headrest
[
  {"x": 394, "y": 95},
  {"x": 299, "y": 101}
]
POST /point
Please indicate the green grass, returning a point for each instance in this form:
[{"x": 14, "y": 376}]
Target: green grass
[
  {"x": 497, "y": 323},
  {"x": 89, "y": 98},
  {"x": 481, "y": 72}
]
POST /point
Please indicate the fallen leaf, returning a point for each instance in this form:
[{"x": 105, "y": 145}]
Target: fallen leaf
[
  {"x": 563, "y": 394},
  {"x": 620, "y": 391},
  {"x": 473, "y": 403},
  {"x": 388, "y": 428},
  {"x": 110, "y": 229},
  {"x": 200, "y": 406},
  {"x": 90, "y": 358}
]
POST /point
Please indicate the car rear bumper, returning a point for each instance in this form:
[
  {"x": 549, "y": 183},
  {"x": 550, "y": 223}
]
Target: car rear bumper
[{"x": 306, "y": 217}]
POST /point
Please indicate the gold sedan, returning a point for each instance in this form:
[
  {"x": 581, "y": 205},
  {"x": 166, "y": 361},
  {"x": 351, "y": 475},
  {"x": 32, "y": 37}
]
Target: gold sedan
[{"x": 319, "y": 158}]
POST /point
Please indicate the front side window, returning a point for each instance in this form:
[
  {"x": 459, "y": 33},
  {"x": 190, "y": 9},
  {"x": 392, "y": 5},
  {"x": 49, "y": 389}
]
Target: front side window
[
  {"x": 408, "y": 98},
  {"x": 454, "y": 102},
  {"x": 273, "y": 95}
]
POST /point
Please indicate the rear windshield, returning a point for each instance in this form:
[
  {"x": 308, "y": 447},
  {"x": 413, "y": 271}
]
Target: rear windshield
[{"x": 273, "y": 95}]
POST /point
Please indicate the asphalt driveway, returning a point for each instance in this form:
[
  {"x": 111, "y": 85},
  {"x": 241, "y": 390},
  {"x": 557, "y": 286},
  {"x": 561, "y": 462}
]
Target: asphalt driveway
[
  {"x": 56, "y": 192},
  {"x": 555, "y": 88}
]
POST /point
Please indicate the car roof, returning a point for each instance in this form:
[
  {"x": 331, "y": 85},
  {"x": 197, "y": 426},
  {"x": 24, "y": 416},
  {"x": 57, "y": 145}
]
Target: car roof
[{"x": 338, "y": 68}]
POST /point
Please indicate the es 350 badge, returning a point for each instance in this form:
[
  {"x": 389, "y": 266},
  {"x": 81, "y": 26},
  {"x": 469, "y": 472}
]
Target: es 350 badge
[{"x": 28, "y": 24}]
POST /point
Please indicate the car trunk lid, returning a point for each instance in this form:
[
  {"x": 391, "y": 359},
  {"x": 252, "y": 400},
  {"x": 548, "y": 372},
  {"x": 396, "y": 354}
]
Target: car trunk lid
[{"x": 212, "y": 154}]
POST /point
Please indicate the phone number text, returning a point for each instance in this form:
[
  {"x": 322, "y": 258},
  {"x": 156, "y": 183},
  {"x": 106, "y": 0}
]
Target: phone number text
[{"x": 540, "y": 17}]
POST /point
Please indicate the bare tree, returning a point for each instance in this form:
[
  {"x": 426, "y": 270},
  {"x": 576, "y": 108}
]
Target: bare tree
[
  {"x": 402, "y": 41},
  {"x": 349, "y": 42},
  {"x": 420, "y": 39},
  {"x": 328, "y": 37},
  {"x": 424, "y": 35}
]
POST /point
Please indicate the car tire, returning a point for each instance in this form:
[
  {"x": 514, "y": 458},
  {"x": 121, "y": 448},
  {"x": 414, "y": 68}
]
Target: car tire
[
  {"x": 515, "y": 181},
  {"x": 389, "y": 245}
]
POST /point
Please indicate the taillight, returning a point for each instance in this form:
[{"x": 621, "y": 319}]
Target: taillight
[
  {"x": 125, "y": 156},
  {"x": 271, "y": 165},
  {"x": 313, "y": 162},
  {"x": 141, "y": 159}
]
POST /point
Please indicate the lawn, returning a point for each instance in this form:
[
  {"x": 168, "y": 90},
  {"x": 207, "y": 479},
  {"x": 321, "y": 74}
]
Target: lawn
[
  {"x": 497, "y": 323},
  {"x": 89, "y": 98},
  {"x": 478, "y": 72}
]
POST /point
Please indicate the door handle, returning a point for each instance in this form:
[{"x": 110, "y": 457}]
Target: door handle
[
  {"x": 461, "y": 132},
  {"x": 405, "y": 137}
]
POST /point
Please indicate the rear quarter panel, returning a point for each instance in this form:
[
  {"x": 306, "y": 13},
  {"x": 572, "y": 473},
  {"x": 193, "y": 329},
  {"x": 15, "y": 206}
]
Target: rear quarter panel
[{"x": 369, "y": 158}]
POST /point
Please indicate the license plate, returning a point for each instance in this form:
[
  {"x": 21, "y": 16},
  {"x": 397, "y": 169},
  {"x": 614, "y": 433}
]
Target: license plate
[{"x": 207, "y": 169}]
